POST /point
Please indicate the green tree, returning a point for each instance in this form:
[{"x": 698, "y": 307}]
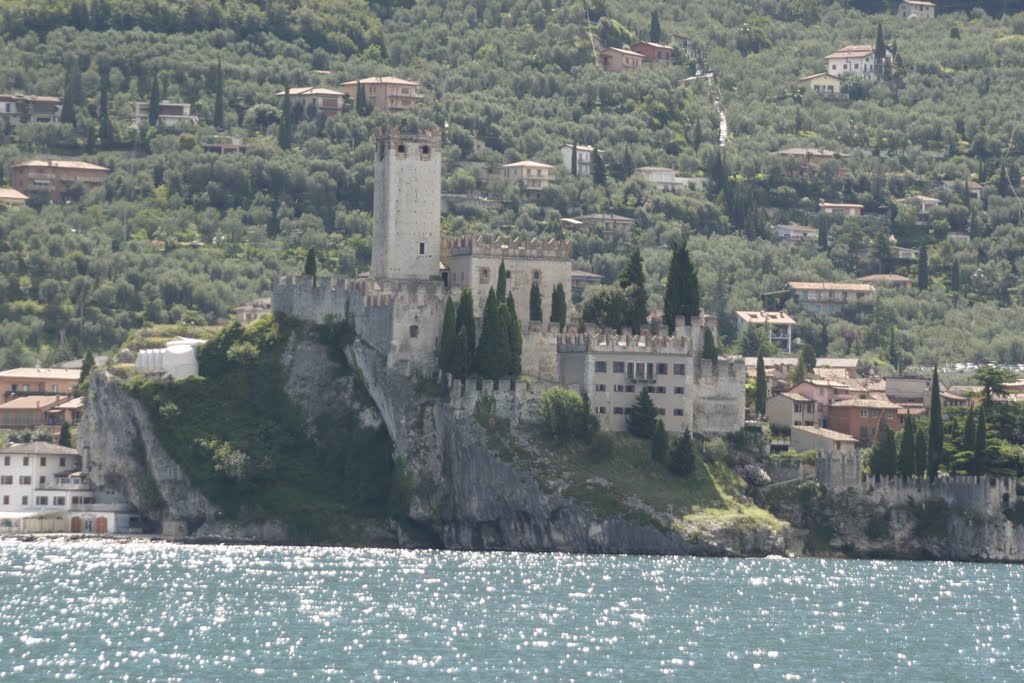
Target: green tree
[
  {"x": 683, "y": 459},
  {"x": 597, "y": 169},
  {"x": 935, "y": 432},
  {"x": 879, "y": 46},
  {"x": 970, "y": 431},
  {"x": 558, "y": 306},
  {"x": 921, "y": 452},
  {"x": 634, "y": 282},
  {"x": 574, "y": 165},
  {"x": 465, "y": 319},
  {"x": 907, "y": 464},
  {"x": 68, "y": 113},
  {"x": 65, "y": 435},
  {"x": 981, "y": 437},
  {"x": 536, "y": 310},
  {"x": 462, "y": 359},
  {"x": 284, "y": 128},
  {"x": 883, "y": 455},
  {"x": 954, "y": 276},
  {"x": 88, "y": 363},
  {"x": 993, "y": 381},
  {"x": 655, "y": 27},
  {"x": 682, "y": 291},
  {"x": 449, "y": 338},
  {"x": 218, "y": 103},
  {"x": 154, "y": 100},
  {"x": 567, "y": 413},
  {"x": 605, "y": 305},
  {"x": 501, "y": 291},
  {"x": 363, "y": 105},
  {"x": 492, "y": 351},
  {"x": 708, "y": 349},
  {"x": 922, "y": 266},
  {"x": 761, "y": 388},
  {"x": 640, "y": 421},
  {"x": 515, "y": 337},
  {"x": 106, "y": 130},
  {"x": 309, "y": 269},
  {"x": 659, "y": 442}
]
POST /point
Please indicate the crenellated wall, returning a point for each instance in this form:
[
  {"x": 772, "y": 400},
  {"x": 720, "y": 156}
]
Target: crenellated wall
[{"x": 982, "y": 494}]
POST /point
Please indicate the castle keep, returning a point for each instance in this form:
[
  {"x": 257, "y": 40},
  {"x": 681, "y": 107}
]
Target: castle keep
[{"x": 398, "y": 308}]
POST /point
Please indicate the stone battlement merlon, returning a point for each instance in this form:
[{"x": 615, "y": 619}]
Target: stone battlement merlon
[{"x": 502, "y": 247}]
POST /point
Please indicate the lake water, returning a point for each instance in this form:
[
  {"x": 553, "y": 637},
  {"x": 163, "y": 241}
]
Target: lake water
[{"x": 99, "y": 610}]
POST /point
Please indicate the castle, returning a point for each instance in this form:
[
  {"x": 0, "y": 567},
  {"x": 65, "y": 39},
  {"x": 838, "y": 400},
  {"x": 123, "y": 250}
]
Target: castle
[{"x": 398, "y": 307}]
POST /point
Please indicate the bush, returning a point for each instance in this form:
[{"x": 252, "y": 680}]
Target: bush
[{"x": 567, "y": 413}]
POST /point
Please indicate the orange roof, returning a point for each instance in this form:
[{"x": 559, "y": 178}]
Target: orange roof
[
  {"x": 380, "y": 80},
  {"x": 865, "y": 403},
  {"x": 41, "y": 373},
  {"x": 759, "y": 317},
  {"x": 31, "y": 402},
  {"x": 852, "y": 52},
  {"x": 61, "y": 163},
  {"x": 832, "y": 286},
  {"x": 10, "y": 194}
]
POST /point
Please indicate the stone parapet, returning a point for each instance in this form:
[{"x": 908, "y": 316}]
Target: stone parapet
[{"x": 502, "y": 247}]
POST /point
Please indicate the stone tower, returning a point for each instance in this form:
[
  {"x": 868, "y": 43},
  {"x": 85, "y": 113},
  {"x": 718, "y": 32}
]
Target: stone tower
[{"x": 407, "y": 205}]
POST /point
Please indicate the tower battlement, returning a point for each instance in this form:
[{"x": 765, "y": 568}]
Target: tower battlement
[{"x": 503, "y": 247}]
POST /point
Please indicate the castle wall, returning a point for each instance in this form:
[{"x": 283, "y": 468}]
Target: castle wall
[
  {"x": 514, "y": 400},
  {"x": 474, "y": 263},
  {"x": 981, "y": 494},
  {"x": 720, "y": 396},
  {"x": 407, "y": 206},
  {"x": 540, "y": 350}
]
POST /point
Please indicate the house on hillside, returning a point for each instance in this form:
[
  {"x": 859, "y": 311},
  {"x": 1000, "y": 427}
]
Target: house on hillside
[
  {"x": 857, "y": 61},
  {"x": 580, "y": 281},
  {"x": 915, "y": 9},
  {"x": 807, "y": 160},
  {"x": 535, "y": 175},
  {"x": 792, "y": 232},
  {"x": 386, "y": 93},
  {"x": 11, "y": 197},
  {"x": 315, "y": 100},
  {"x": 37, "y": 382},
  {"x": 788, "y": 409},
  {"x": 609, "y": 225},
  {"x": 224, "y": 144},
  {"x": 862, "y": 417},
  {"x": 824, "y": 84},
  {"x": 253, "y": 310},
  {"x": 888, "y": 280},
  {"x": 665, "y": 179},
  {"x": 829, "y": 297},
  {"x": 172, "y": 114},
  {"x": 780, "y": 326},
  {"x": 16, "y": 109},
  {"x": 584, "y": 158},
  {"x": 616, "y": 59},
  {"x": 57, "y": 180},
  {"x": 804, "y": 438},
  {"x": 974, "y": 188},
  {"x": 921, "y": 204},
  {"x": 654, "y": 53},
  {"x": 840, "y": 209}
]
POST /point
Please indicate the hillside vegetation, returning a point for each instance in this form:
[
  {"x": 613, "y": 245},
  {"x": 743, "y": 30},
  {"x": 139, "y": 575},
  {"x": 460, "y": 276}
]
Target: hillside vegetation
[{"x": 183, "y": 235}]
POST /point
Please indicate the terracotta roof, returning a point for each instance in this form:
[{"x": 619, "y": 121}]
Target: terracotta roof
[
  {"x": 852, "y": 51},
  {"x": 10, "y": 194},
  {"x": 380, "y": 80},
  {"x": 832, "y": 286},
  {"x": 622, "y": 50},
  {"x": 823, "y": 73},
  {"x": 920, "y": 3},
  {"x": 30, "y": 98},
  {"x": 527, "y": 164},
  {"x": 866, "y": 403},
  {"x": 759, "y": 317},
  {"x": 827, "y": 433},
  {"x": 795, "y": 227},
  {"x": 655, "y": 168},
  {"x": 795, "y": 397},
  {"x": 61, "y": 163},
  {"x": 606, "y": 217},
  {"x": 812, "y": 151},
  {"x": 579, "y": 148},
  {"x": 584, "y": 274},
  {"x": 72, "y": 404},
  {"x": 647, "y": 42},
  {"x": 836, "y": 205},
  {"x": 885, "y": 277},
  {"x": 31, "y": 402},
  {"x": 311, "y": 90},
  {"x": 38, "y": 448},
  {"x": 41, "y": 373}
]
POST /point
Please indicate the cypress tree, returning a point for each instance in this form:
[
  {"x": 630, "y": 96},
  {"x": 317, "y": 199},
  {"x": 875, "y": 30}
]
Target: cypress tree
[
  {"x": 708, "y": 350},
  {"x": 310, "y": 268},
  {"x": 907, "y": 465},
  {"x": 659, "y": 442},
  {"x": 970, "y": 431},
  {"x": 921, "y": 452},
  {"x": 633, "y": 272},
  {"x": 676, "y": 294},
  {"x": 633, "y": 280},
  {"x": 492, "y": 352},
  {"x": 449, "y": 337},
  {"x": 65, "y": 435},
  {"x": 363, "y": 105},
  {"x": 954, "y": 276},
  {"x": 879, "y": 47},
  {"x": 465, "y": 320},
  {"x": 67, "y": 111},
  {"x": 922, "y": 266},
  {"x": 515, "y": 337},
  {"x": 683, "y": 460},
  {"x": 558, "y": 306},
  {"x": 218, "y": 103},
  {"x": 154, "y": 99},
  {"x": 574, "y": 163},
  {"x": 761, "y": 388},
  {"x": 981, "y": 435},
  {"x": 655, "y": 27},
  {"x": 88, "y": 363},
  {"x": 536, "y": 311},
  {"x": 935, "y": 427},
  {"x": 640, "y": 421},
  {"x": 883, "y": 455},
  {"x": 462, "y": 359},
  {"x": 501, "y": 292},
  {"x": 106, "y": 127},
  {"x": 597, "y": 169},
  {"x": 284, "y": 128}
]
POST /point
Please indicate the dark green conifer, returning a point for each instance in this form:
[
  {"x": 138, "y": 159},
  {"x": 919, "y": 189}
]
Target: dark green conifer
[
  {"x": 597, "y": 169},
  {"x": 641, "y": 419},
  {"x": 883, "y": 455},
  {"x": 449, "y": 338},
  {"x": 907, "y": 464},
  {"x": 683, "y": 458},
  {"x": 659, "y": 442},
  {"x": 970, "y": 430},
  {"x": 65, "y": 435},
  {"x": 761, "y": 388},
  {"x": 558, "y": 306},
  {"x": 921, "y": 452},
  {"x": 492, "y": 352},
  {"x": 536, "y": 310},
  {"x": 935, "y": 434},
  {"x": 465, "y": 318},
  {"x": 515, "y": 337},
  {"x": 310, "y": 268},
  {"x": 218, "y": 102},
  {"x": 154, "y": 100},
  {"x": 708, "y": 349},
  {"x": 501, "y": 290}
]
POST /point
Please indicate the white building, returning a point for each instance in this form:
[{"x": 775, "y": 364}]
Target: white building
[
  {"x": 666, "y": 179},
  {"x": 584, "y": 158},
  {"x": 792, "y": 232},
  {"x": 42, "y": 490},
  {"x": 172, "y": 114},
  {"x": 535, "y": 175},
  {"x": 857, "y": 61},
  {"x": 780, "y": 326},
  {"x": 177, "y": 360},
  {"x": 916, "y": 9}
]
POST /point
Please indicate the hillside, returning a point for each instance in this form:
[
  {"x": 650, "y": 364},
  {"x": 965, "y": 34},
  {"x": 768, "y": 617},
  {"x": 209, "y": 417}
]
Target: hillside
[{"x": 181, "y": 234}]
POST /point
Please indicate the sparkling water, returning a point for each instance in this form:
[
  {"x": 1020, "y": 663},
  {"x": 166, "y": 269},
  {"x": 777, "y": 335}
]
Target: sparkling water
[{"x": 100, "y": 610}]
